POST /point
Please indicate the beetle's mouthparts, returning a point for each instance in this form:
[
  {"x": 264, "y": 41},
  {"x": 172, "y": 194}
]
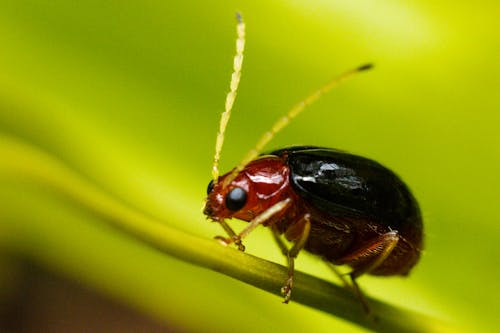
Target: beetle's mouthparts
[
  {"x": 208, "y": 210},
  {"x": 210, "y": 213}
]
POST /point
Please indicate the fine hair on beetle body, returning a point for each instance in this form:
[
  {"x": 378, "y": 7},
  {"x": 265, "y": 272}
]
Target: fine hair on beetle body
[{"x": 347, "y": 209}]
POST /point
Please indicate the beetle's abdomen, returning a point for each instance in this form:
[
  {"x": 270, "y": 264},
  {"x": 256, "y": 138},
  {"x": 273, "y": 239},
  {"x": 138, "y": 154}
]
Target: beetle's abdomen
[
  {"x": 353, "y": 200},
  {"x": 333, "y": 238}
]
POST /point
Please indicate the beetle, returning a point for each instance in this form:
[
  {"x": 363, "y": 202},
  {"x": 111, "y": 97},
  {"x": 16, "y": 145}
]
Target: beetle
[{"x": 347, "y": 209}]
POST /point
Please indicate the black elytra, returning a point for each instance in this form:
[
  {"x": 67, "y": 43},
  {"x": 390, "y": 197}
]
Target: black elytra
[{"x": 350, "y": 185}]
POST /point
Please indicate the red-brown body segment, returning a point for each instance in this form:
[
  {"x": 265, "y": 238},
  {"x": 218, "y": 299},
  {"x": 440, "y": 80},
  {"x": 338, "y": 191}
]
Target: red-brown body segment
[
  {"x": 266, "y": 180},
  {"x": 357, "y": 242}
]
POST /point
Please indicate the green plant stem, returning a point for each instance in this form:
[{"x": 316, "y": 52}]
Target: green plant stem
[{"x": 27, "y": 163}]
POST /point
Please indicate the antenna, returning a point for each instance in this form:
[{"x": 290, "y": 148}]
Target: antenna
[
  {"x": 290, "y": 115},
  {"x": 231, "y": 95}
]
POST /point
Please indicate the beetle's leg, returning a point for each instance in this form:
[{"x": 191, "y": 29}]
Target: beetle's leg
[
  {"x": 339, "y": 274},
  {"x": 232, "y": 235},
  {"x": 258, "y": 220},
  {"x": 371, "y": 255},
  {"x": 279, "y": 241},
  {"x": 292, "y": 254},
  {"x": 368, "y": 258}
]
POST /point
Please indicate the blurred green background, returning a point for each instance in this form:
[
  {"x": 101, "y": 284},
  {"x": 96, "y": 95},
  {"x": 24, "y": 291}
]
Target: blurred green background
[{"x": 129, "y": 94}]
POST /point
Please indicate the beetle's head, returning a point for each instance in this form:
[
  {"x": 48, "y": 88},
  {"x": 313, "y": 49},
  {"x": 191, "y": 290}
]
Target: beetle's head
[
  {"x": 225, "y": 200},
  {"x": 251, "y": 192}
]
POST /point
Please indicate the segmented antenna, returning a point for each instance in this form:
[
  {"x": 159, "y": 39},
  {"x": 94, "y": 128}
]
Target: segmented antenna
[
  {"x": 231, "y": 96},
  {"x": 294, "y": 112}
]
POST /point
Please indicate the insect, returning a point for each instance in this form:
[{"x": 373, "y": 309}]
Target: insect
[{"x": 345, "y": 208}]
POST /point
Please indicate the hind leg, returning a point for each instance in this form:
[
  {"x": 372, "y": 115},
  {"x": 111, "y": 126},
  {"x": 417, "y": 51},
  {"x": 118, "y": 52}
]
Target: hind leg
[{"x": 368, "y": 258}]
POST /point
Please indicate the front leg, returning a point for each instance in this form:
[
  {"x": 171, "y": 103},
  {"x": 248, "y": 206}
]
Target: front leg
[
  {"x": 232, "y": 235},
  {"x": 258, "y": 220}
]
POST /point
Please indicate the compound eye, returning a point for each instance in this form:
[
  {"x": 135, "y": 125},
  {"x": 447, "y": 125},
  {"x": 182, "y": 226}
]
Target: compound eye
[
  {"x": 236, "y": 199},
  {"x": 210, "y": 186}
]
